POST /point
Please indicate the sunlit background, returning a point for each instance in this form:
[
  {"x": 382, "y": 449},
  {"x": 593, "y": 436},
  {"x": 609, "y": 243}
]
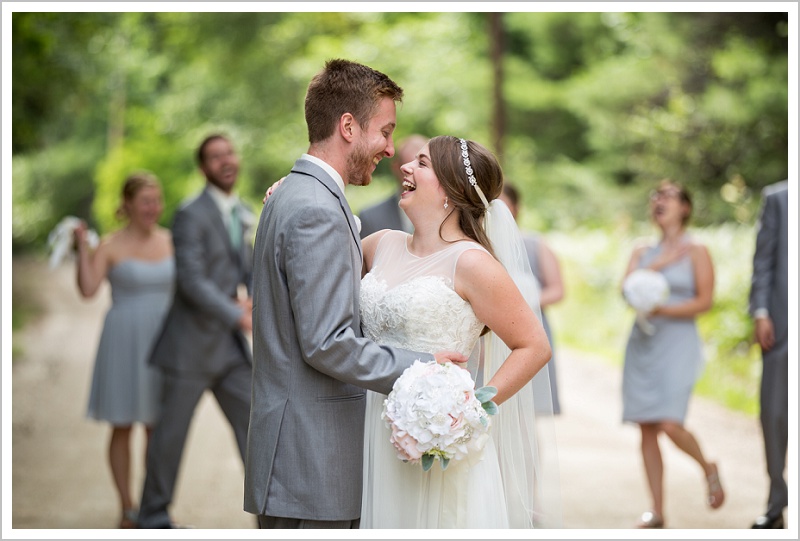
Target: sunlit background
[{"x": 586, "y": 111}]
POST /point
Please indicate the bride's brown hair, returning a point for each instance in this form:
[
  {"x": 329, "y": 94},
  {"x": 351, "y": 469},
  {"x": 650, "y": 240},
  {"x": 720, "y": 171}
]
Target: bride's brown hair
[{"x": 448, "y": 164}]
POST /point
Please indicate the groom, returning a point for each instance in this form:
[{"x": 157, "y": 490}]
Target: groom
[{"x": 310, "y": 361}]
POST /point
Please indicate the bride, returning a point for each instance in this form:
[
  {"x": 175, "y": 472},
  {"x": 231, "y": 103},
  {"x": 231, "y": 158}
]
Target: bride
[{"x": 460, "y": 282}]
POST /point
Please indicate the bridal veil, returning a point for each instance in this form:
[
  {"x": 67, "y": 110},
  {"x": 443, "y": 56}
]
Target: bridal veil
[{"x": 524, "y": 431}]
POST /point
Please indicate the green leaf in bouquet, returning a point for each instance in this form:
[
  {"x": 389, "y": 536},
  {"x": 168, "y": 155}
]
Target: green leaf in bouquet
[
  {"x": 490, "y": 407},
  {"x": 427, "y": 462},
  {"x": 484, "y": 394},
  {"x": 445, "y": 462}
]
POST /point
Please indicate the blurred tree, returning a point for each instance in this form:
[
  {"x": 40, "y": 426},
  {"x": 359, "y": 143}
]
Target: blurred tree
[
  {"x": 497, "y": 36},
  {"x": 586, "y": 110}
]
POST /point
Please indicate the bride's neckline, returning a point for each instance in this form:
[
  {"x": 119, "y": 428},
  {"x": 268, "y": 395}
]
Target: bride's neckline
[{"x": 447, "y": 247}]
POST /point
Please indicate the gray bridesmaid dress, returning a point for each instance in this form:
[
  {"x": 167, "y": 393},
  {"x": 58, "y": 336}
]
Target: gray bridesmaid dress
[
  {"x": 125, "y": 389},
  {"x": 541, "y": 397},
  {"x": 661, "y": 369}
]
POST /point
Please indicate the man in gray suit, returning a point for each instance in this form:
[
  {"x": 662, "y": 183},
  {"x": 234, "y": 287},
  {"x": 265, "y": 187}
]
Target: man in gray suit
[
  {"x": 769, "y": 300},
  {"x": 311, "y": 363},
  {"x": 387, "y": 214},
  {"x": 202, "y": 345}
]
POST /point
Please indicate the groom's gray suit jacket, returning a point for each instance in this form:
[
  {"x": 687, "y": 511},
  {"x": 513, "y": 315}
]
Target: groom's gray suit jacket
[{"x": 305, "y": 440}]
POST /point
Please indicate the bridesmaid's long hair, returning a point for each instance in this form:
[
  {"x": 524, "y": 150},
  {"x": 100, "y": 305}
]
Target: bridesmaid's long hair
[{"x": 448, "y": 165}]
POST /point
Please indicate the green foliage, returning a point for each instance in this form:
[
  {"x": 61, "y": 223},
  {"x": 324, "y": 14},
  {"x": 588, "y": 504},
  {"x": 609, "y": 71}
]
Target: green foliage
[
  {"x": 490, "y": 408},
  {"x": 49, "y": 184},
  {"x": 56, "y": 82},
  {"x": 627, "y": 98},
  {"x": 169, "y": 160},
  {"x": 484, "y": 396},
  {"x": 486, "y": 393},
  {"x": 598, "y": 105},
  {"x": 733, "y": 361}
]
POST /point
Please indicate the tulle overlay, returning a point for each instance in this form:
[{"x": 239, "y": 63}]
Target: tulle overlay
[{"x": 409, "y": 301}]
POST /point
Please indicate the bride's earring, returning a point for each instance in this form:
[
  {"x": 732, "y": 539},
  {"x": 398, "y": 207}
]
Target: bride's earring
[{"x": 445, "y": 203}]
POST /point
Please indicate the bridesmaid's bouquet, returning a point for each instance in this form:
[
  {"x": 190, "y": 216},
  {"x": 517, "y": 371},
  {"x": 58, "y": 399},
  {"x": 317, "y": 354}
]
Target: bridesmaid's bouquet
[
  {"x": 60, "y": 239},
  {"x": 644, "y": 290},
  {"x": 434, "y": 412}
]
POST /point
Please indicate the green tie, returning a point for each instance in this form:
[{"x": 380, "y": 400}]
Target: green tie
[{"x": 235, "y": 228}]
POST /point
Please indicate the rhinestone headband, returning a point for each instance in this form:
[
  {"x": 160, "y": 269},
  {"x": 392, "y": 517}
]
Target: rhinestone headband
[{"x": 471, "y": 173}]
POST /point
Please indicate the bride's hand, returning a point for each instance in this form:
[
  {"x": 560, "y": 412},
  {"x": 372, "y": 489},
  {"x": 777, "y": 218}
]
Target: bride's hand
[
  {"x": 272, "y": 189},
  {"x": 451, "y": 357}
]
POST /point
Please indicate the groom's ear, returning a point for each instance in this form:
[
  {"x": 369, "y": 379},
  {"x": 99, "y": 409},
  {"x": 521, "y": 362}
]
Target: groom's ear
[{"x": 348, "y": 127}]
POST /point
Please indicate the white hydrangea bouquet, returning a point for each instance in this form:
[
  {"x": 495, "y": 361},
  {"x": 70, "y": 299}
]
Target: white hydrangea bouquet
[
  {"x": 644, "y": 290},
  {"x": 435, "y": 412}
]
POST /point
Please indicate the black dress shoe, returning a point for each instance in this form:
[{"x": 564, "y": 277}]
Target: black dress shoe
[{"x": 765, "y": 522}]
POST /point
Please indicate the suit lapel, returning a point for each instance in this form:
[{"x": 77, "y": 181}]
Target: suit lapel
[{"x": 305, "y": 167}]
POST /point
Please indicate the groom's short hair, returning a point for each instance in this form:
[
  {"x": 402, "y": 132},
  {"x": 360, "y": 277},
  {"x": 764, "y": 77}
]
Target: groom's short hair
[{"x": 345, "y": 87}]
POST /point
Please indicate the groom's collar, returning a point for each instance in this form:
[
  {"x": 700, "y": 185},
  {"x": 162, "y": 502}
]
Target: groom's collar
[{"x": 337, "y": 178}]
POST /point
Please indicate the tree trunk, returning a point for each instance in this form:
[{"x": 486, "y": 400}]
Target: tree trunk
[{"x": 499, "y": 109}]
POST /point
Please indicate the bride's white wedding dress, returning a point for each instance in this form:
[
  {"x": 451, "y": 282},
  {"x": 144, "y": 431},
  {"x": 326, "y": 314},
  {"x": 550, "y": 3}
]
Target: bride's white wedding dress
[{"x": 409, "y": 302}]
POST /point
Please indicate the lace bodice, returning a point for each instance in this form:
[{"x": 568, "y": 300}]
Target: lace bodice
[{"x": 410, "y": 302}]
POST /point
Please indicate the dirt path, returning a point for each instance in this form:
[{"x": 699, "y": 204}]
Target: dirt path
[{"x": 60, "y": 479}]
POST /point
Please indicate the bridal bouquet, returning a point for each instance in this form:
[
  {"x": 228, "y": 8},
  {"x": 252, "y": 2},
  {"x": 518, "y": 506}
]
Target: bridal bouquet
[
  {"x": 645, "y": 290},
  {"x": 434, "y": 412},
  {"x": 60, "y": 239}
]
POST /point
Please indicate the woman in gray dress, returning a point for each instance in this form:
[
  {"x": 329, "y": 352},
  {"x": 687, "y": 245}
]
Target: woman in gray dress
[
  {"x": 662, "y": 362},
  {"x": 137, "y": 260}
]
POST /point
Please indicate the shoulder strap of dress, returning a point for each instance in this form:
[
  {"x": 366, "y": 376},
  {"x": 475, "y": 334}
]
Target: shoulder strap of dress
[
  {"x": 459, "y": 249},
  {"x": 464, "y": 245}
]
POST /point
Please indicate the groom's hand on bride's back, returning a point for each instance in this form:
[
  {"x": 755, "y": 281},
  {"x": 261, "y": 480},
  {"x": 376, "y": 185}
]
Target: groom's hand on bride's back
[{"x": 451, "y": 357}]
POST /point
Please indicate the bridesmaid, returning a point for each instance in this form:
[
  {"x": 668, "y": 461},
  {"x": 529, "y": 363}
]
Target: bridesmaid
[
  {"x": 137, "y": 260},
  {"x": 661, "y": 369}
]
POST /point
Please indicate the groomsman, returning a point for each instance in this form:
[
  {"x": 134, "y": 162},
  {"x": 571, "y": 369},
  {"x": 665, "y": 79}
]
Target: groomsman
[
  {"x": 203, "y": 344},
  {"x": 387, "y": 214},
  {"x": 769, "y": 299}
]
